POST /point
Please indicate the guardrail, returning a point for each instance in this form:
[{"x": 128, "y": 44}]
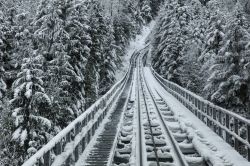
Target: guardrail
[
  {"x": 67, "y": 145},
  {"x": 230, "y": 126}
]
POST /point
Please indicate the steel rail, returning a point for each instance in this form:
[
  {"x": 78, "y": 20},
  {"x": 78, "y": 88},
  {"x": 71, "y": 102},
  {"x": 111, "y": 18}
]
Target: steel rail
[
  {"x": 139, "y": 120},
  {"x": 176, "y": 149},
  {"x": 148, "y": 118}
]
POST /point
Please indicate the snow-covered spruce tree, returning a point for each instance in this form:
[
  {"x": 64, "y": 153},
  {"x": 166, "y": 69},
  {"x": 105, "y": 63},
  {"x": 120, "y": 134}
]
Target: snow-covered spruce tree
[
  {"x": 214, "y": 42},
  {"x": 28, "y": 103},
  {"x": 7, "y": 155},
  {"x": 231, "y": 86},
  {"x": 8, "y": 30},
  {"x": 155, "y": 6},
  {"x": 2, "y": 57},
  {"x": 190, "y": 68},
  {"x": 97, "y": 31},
  {"x": 161, "y": 34},
  {"x": 79, "y": 51},
  {"x": 63, "y": 40},
  {"x": 247, "y": 7},
  {"x": 120, "y": 36},
  {"x": 127, "y": 24},
  {"x": 168, "y": 55},
  {"x": 3, "y": 109},
  {"x": 109, "y": 63},
  {"x": 215, "y": 35},
  {"x": 128, "y": 21},
  {"x": 192, "y": 31},
  {"x": 145, "y": 12},
  {"x": 48, "y": 27}
]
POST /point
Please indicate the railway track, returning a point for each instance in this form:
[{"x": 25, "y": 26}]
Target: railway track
[
  {"x": 149, "y": 126},
  {"x": 162, "y": 141}
]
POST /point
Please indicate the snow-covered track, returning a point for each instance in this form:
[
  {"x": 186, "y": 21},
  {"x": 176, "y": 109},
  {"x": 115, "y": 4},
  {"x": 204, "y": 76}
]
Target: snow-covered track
[
  {"x": 182, "y": 145},
  {"x": 123, "y": 150},
  {"x": 231, "y": 127},
  {"x": 168, "y": 145},
  {"x": 99, "y": 154},
  {"x": 155, "y": 148}
]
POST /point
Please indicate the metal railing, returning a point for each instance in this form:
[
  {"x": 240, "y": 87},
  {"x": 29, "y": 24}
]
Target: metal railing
[
  {"x": 233, "y": 128},
  {"x": 66, "y": 147}
]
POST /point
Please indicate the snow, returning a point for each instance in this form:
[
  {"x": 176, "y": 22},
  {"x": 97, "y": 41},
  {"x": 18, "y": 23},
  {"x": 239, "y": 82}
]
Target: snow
[
  {"x": 16, "y": 111},
  {"x": 32, "y": 150},
  {"x": 23, "y": 136},
  {"x": 28, "y": 73},
  {"x": 208, "y": 143},
  {"x": 46, "y": 122},
  {"x": 123, "y": 128},
  {"x": 29, "y": 86},
  {"x": 18, "y": 119},
  {"x": 28, "y": 93},
  {"x": 194, "y": 159},
  {"x": 82, "y": 157},
  {"x": 71, "y": 126},
  {"x": 136, "y": 44},
  {"x": 16, "y": 134},
  {"x": 18, "y": 90}
]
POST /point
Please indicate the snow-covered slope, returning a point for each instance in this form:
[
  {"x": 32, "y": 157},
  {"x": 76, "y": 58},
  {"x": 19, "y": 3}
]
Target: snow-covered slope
[{"x": 136, "y": 44}]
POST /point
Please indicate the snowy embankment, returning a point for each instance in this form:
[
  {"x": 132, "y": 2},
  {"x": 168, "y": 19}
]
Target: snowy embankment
[
  {"x": 136, "y": 44},
  {"x": 208, "y": 143}
]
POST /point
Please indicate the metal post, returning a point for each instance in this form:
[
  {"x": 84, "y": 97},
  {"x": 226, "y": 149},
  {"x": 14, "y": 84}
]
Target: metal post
[
  {"x": 47, "y": 160},
  {"x": 93, "y": 129},
  {"x": 89, "y": 136},
  {"x": 220, "y": 120},
  {"x": 214, "y": 113},
  {"x": 76, "y": 153},
  {"x": 236, "y": 130},
  {"x": 68, "y": 137},
  {"x": 227, "y": 125},
  {"x": 83, "y": 144},
  {"x": 58, "y": 149},
  {"x": 199, "y": 114},
  {"x": 208, "y": 110}
]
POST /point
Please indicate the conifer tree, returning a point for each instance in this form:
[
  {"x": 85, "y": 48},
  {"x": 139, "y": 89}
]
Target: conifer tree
[
  {"x": 227, "y": 71},
  {"x": 155, "y": 6},
  {"x": 64, "y": 42},
  {"x": 172, "y": 37},
  {"x": 31, "y": 126},
  {"x": 145, "y": 12},
  {"x": 8, "y": 31},
  {"x": 97, "y": 31},
  {"x": 79, "y": 51},
  {"x": 110, "y": 63},
  {"x": 2, "y": 54},
  {"x": 214, "y": 42},
  {"x": 120, "y": 36}
]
